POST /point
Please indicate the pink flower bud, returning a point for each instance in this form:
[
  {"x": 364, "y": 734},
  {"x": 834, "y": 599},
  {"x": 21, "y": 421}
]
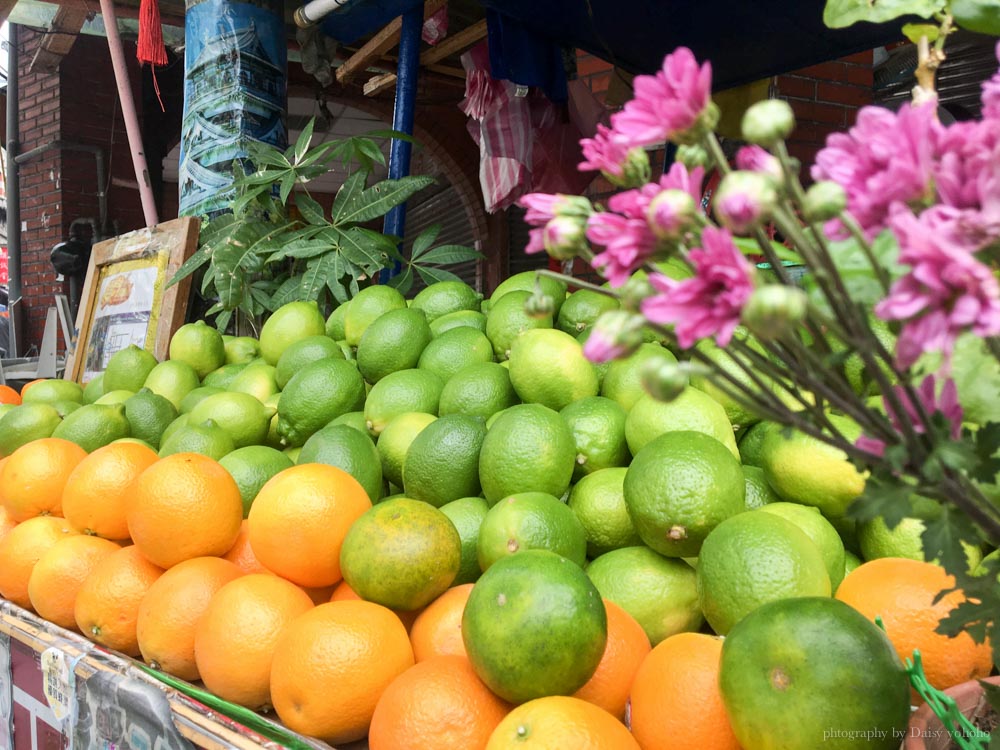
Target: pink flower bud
[
  {"x": 670, "y": 213},
  {"x": 564, "y": 237},
  {"x": 615, "y": 334},
  {"x": 744, "y": 201}
]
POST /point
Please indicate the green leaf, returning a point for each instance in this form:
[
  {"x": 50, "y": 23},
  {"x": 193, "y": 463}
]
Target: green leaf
[
  {"x": 371, "y": 150},
  {"x": 337, "y": 289},
  {"x": 353, "y": 186},
  {"x": 749, "y": 246},
  {"x": 430, "y": 275},
  {"x": 320, "y": 153},
  {"x": 398, "y": 135},
  {"x": 450, "y": 254},
  {"x": 310, "y": 208},
  {"x": 424, "y": 240},
  {"x": 365, "y": 248},
  {"x": 916, "y": 31},
  {"x": 942, "y": 540},
  {"x": 382, "y": 196},
  {"x": 402, "y": 281},
  {"x": 287, "y": 184},
  {"x": 859, "y": 277},
  {"x": 839, "y": 14},
  {"x": 287, "y": 292},
  {"x": 199, "y": 258},
  {"x": 302, "y": 249},
  {"x": 982, "y": 16},
  {"x": 887, "y": 498},
  {"x": 987, "y": 442},
  {"x": 222, "y": 319},
  {"x": 266, "y": 155},
  {"x": 315, "y": 277},
  {"x": 304, "y": 139}
]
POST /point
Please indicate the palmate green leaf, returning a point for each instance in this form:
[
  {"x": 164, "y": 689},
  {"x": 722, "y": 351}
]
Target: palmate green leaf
[
  {"x": 853, "y": 266},
  {"x": 430, "y": 274},
  {"x": 287, "y": 292},
  {"x": 200, "y": 257},
  {"x": 266, "y": 155},
  {"x": 301, "y": 249},
  {"x": 314, "y": 278},
  {"x": 749, "y": 246},
  {"x": 304, "y": 140},
  {"x": 424, "y": 240},
  {"x": 380, "y": 197},
  {"x": 371, "y": 251},
  {"x": 885, "y": 497},
  {"x": 353, "y": 186},
  {"x": 450, "y": 254},
  {"x": 287, "y": 185},
  {"x": 402, "y": 281},
  {"x": 397, "y": 135},
  {"x": 942, "y": 540},
  {"x": 839, "y": 14},
  {"x": 337, "y": 290},
  {"x": 987, "y": 443},
  {"x": 318, "y": 155},
  {"x": 310, "y": 209}
]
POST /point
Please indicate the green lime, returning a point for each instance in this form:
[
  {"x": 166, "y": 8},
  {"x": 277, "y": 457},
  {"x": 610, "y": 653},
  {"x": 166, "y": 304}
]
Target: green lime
[
  {"x": 148, "y": 416},
  {"x": 370, "y": 303},
  {"x": 442, "y": 463},
  {"x": 293, "y": 453},
  {"x": 394, "y": 341},
  {"x": 137, "y": 441},
  {"x": 507, "y": 320},
  {"x": 598, "y": 500},
  {"x": 25, "y": 423},
  {"x": 692, "y": 410},
  {"x": 207, "y": 438},
  {"x": 346, "y": 448},
  {"x": 759, "y": 492},
  {"x": 530, "y": 520},
  {"x": 534, "y": 625},
  {"x": 401, "y": 554},
  {"x": 242, "y": 416},
  {"x": 94, "y": 426},
  {"x": 304, "y": 352},
  {"x": 334, "y": 327},
  {"x": 802, "y": 469},
  {"x": 811, "y": 522},
  {"x": 223, "y": 376},
  {"x": 467, "y": 514},
  {"x": 455, "y": 350},
  {"x": 4, "y": 408},
  {"x": 582, "y": 308},
  {"x": 199, "y": 345},
  {"x": 738, "y": 414},
  {"x": 529, "y": 448},
  {"x": 95, "y": 389},
  {"x": 851, "y": 561},
  {"x": 195, "y": 396},
  {"x": 752, "y": 441},
  {"x": 173, "y": 380},
  {"x": 446, "y": 297},
  {"x": 182, "y": 421},
  {"x": 48, "y": 391},
  {"x": 240, "y": 349},
  {"x": 354, "y": 419},
  {"x": 317, "y": 394},
  {"x": 251, "y": 467},
  {"x": 469, "y": 318},
  {"x": 401, "y": 392},
  {"x": 257, "y": 380},
  {"x": 110, "y": 398},
  {"x": 785, "y": 673},
  {"x": 752, "y": 559},
  {"x": 623, "y": 379},
  {"x": 395, "y": 441},
  {"x": 526, "y": 281},
  {"x": 479, "y": 390},
  {"x": 659, "y": 592},
  {"x": 680, "y": 487},
  {"x": 128, "y": 369},
  {"x": 63, "y": 407},
  {"x": 289, "y": 323},
  {"x": 548, "y": 367},
  {"x": 598, "y": 427}
]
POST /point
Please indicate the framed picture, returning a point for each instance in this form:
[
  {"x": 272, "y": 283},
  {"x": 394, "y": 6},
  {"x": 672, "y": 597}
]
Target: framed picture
[{"x": 125, "y": 299}]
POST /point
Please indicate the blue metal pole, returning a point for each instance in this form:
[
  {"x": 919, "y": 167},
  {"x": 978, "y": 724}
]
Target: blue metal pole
[{"x": 402, "y": 118}]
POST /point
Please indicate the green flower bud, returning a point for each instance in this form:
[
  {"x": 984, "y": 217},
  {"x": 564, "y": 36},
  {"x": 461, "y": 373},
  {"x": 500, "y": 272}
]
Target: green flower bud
[
  {"x": 774, "y": 310},
  {"x": 565, "y": 237},
  {"x": 767, "y": 122},
  {"x": 663, "y": 379},
  {"x": 693, "y": 155},
  {"x": 635, "y": 170},
  {"x": 824, "y": 201},
  {"x": 539, "y": 304},
  {"x": 635, "y": 290}
]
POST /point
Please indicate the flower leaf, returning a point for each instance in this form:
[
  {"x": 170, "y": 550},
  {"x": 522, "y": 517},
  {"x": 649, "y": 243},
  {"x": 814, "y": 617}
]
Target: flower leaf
[
  {"x": 887, "y": 498},
  {"x": 839, "y": 14},
  {"x": 915, "y": 31},
  {"x": 987, "y": 442},
  {"x": 424, "y": 240},
  {"x": 402, "y": 281},
  {"x": 977, "y": 15}
]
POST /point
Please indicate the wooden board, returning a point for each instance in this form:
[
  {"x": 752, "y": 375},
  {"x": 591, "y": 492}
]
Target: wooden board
[{"x": 125, "y": 298}]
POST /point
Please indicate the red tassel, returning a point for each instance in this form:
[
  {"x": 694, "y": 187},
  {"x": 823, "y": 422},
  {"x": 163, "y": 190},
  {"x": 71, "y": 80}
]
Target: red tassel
[{"x": 150, "y": 48}]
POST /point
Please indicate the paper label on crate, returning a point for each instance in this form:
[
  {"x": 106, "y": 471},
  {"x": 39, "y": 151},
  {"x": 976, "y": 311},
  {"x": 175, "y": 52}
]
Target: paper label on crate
[{"x": 57, "y": 674}]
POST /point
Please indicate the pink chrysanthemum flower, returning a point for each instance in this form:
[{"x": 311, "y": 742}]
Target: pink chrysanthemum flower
[
  {"x": 603, "y": 154},
  {"x": 710, "y": 303},
  {"x": 991, "y": 94},
  {"x": 627, "y": 243},
  {"x": 946, "y": 404},
  {"x": 757, "y": 159}
]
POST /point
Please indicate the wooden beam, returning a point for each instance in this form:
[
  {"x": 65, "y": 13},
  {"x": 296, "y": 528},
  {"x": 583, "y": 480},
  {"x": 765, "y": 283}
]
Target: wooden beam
[
  {"x": 59, "y": 39},
  {"x": 377, "y": 84},
  {"x": 457, "y": 42},
  {"x": 383, "y": 41}
]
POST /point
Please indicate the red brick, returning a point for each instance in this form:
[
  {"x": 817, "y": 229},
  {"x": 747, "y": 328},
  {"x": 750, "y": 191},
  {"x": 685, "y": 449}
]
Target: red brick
[
  {"x": 862, "y": 58},
  {"x": 860, "y": 75},
  {"x": 589, "y": 65},
  {"x": 835, "y": 92},
  {"x": 828, "y": 71},
  {"x": 801, "y": 87},
  {"x": 819, "y": 112}
]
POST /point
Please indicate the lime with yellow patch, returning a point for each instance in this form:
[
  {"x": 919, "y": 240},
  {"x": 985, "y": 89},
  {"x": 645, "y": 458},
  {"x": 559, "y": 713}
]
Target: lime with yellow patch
[
  {"x": 289, "y": 323},
  {"x": 548, "y": 367},
  {"x": 530, "y": 520}
]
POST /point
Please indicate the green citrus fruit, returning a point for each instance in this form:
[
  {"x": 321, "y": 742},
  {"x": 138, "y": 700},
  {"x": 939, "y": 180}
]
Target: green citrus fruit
[
  {"x": 467, "y": 514},
  {"x": 182, "y": 420},
  {"x": 128, "y": 369},
  {"x": 346, "y": 448},
  {"x": 469, "y": 318},
  {"x": 394, "y": 341},
  {"x": 581, "y": 309},
  {"x": 370, "y": 303},
  {"x": 623, "y": 379},
  {"x": 401, "y": 392},
  {"x": 208, "y": 439},
  {"x": 455, "y": 350},
  {"x": 223, "y": 376},
  {"x": 110, "y": 398},
  {"x": 507, "y": 320},
  {"x": 680, "y": 487},
  {"x": 302, "y": 353},
  {"x": 659, "y": 592},
  {"x": 318, "y": 393},
  {"x": 442, "y": 462},
  {"x": 479, "y": 390},
  {"x": 240, "y": 349},
  {"x": 752, "y": 559},
  {"x": 196, "y": 396},
  {"x": 200, "y": 346},
  {"x": 529, "y": 448},
  {"x": 598, "y": 427},
  {"x": 737, "y": 413},
  {"x": 692, "y": 410},
  {"x": 526, "y": 281},
  {"x": 289, "y": 323},
  {"x": 401, "y": 554},
  {"x": 353, "y": 419},
  {"x": 94, "y": 426},
  {"x": 446, "y": 297},
  {"x": 257, "y": 380},
  {"x": 25, "y": 423},
  {"x": 334, "y": 327},
  {"x": 548, "y": 367},
  {"x": 598, "y": 500},
  {"x": 530, "y": 520},
  {"x": 811, "y": 522},
  {"x": 752, "y": 441},
  {"x": 173, "y": 380},
  {"x": 48, "y": 391},
  {"x": 95, "y": 388},
  {"x": 534, "y": 625},
  {"x": 241, "y": 415},
  {"x": 395, "y": 441},
  {"x": 251, "y": 467},
  {"x": 148, "y": 416},
  {"x": 851, "y": 561},
  {"x": 800, "y": 674},
  {"x": 759, "y": 492}
]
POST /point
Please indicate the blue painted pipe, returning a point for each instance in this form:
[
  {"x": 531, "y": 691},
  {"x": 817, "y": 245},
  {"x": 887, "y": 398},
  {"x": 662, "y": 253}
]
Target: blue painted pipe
[{"x": 402, "y": 118}]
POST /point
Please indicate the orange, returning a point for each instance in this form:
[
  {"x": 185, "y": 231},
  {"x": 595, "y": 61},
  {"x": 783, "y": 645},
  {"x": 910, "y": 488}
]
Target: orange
[
  {"x": 675, "y": 700},
  {"x": 184, "y": 506},
  {"x": 107, "y": 605},
  {"x": 437, "y": 631},
  {"x": 300, "y": 518},
  {"x": 242, "y": 554},
  {"x": 558, "y": 721},
  {"x": 21, "y": 549},
  {"x": 59, "y": 574},
  {"x": 234, "y": 640},
  {"x": 902, "y": 592},
  {"x": 97, "y": 492},
  {"x": 6, "y": 522},
  {"x": 171, "y": 609},
  {"x": 9, "y": 396},
  {"x": 359, "y": 647},
  {"x": 626, "y": 647},
  {"x": 438, "y": 703},
  {"x": 34, "y": 476},
  {"x": 343, "y": 592}
]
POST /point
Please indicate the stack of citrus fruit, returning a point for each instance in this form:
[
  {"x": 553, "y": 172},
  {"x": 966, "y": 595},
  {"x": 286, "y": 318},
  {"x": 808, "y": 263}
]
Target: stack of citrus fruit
[{"x": 440, "y": 507}]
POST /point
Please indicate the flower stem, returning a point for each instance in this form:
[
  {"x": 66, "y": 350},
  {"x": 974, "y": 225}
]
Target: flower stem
[
  {"x": 573, "y": 281},
  {"x": 859, "y": 236}
]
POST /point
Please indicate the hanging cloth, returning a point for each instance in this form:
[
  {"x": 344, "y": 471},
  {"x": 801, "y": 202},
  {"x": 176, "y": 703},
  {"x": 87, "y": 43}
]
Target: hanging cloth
[{"x": 150, "y": 47}]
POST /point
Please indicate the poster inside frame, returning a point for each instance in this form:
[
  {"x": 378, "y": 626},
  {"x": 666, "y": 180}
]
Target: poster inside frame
[{"x": 125, "y": 298}]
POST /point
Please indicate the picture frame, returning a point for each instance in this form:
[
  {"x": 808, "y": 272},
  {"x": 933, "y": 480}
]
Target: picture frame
[{"x": 125, "y": 298}]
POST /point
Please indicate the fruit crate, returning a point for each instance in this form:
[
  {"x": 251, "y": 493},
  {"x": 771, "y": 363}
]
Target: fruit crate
[{"x": 58, "y": 690}]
